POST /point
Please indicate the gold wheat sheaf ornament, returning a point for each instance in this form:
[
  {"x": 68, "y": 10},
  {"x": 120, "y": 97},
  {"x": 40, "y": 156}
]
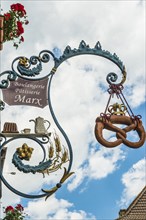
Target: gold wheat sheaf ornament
[{"x": 58, "y": 154}]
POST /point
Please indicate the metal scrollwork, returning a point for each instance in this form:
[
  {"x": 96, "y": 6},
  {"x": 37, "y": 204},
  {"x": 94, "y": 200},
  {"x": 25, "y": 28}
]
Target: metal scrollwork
[
  {"x": 112, "y": 77},
  {"x": 24, "y": 67},
  {"x": 45, "y": 56},
  {"x": 2, "y": 105},
  {"x": 65, "y": 176},
  {"x": 45, "y": 138},
  {"x": 24, "y": 64},
  {"x": 57, "y": 156},
  {"x": 52, "y": 161},
  {"x": 11, "y": 76},
  {"x": 2, "y": 138},
  {"x": 85, "y": 49}
]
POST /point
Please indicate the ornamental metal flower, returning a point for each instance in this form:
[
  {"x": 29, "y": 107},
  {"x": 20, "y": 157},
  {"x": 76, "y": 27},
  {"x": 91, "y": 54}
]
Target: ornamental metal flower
[
  {"x": 14, "y": 213},
  {"x": 13, "y": 26}
]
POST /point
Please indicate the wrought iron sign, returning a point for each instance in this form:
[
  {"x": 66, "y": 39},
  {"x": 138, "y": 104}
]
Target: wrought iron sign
[{"x": 24, "y": 85}]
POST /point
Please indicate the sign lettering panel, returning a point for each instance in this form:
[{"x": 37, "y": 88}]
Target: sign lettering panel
[{"x": 27, "y": 92}]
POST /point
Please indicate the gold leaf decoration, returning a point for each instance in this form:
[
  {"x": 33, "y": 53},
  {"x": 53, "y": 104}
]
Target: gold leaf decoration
[{"x": 65, "y": 176}]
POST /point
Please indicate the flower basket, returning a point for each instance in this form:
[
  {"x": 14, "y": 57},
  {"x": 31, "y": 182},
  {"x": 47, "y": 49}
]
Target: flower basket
[
  {"x": 12, "y": 25},
  {"x": 1, "y": 31},
  {"x": 14, "y": 213}
]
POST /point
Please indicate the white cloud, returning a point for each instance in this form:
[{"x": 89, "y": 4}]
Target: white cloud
[
  {"x": 133, "y": 180},
  {"x": 109, "y": 158},
  {"x": 137, "y": 94},
  {"x": 8, "y": 197},
  {"x": 55, "y": 208}
]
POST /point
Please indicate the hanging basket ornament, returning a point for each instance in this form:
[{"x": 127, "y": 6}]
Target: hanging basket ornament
[
  {"x": 12, "y": 25},
  {"x": 116, "y": 115}
]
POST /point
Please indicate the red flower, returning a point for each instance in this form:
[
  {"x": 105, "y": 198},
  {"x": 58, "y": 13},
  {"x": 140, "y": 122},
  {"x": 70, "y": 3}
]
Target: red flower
[
  {"x": 19, "y": 8},
  {"x": 20, "y": 28},
  {"x": 14, "y": 7},
  {"x": 19, "y": 207},
  {"x": 7, "y": 16},
  {"x": 9, "y": 209},
  {"x": 19, "y": 24}
]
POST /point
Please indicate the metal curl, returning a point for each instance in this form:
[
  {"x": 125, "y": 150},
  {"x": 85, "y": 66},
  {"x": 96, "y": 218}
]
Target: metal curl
[
  {"x": 111, "y": 77},
  {"x": 45, "y": 138},
  {"x": 11, "y": 76},
  {"x": 23, "y": 167},
  {"x": 26, "y": 137},
  {"x": 34, "y": 60},
  {"x": 33, "y": 66},
  {"x": 4, "y": 84},
  {"x": 2, "y": 138},
  {"x": 32, "y": 169},
  {"x": 2, "y": 105},
  {"x": 45, "y": 58},
  {"x": 24, "y": 66},
  {"x": 18, "y": 192}
]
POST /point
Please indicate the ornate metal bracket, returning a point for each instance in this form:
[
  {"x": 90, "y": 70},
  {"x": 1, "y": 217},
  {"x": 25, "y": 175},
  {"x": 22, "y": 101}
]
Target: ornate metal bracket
[
  {"x": 23, "y": 67},
  {"x": 30, "y": 69}
]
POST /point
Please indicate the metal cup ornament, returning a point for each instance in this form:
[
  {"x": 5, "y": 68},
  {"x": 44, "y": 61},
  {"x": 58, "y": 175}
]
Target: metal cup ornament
[{"x": 26, "y": 131}]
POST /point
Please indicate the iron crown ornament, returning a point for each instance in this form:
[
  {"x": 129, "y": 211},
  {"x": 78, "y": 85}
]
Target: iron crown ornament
[{"x": 25, "y": 85}]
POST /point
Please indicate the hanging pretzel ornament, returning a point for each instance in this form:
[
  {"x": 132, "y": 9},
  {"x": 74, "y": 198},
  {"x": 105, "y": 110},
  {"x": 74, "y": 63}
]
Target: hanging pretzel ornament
[
  {"x": 115, "y": 116},
  {"x": 121, "y": 134}
]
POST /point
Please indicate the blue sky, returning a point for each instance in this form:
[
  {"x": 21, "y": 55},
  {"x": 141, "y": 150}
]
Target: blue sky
[{"x": 105, "y": 180}]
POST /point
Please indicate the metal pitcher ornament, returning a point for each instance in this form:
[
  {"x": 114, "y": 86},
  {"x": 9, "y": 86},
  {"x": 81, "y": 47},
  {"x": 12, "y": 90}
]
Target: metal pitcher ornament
[{"x": 39, "y": 125}]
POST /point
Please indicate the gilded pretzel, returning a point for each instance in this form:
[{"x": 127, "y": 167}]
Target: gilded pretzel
[{"x": 120, "y": 133}]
